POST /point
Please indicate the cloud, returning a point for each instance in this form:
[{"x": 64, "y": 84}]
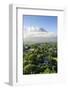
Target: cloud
[
  {"x": 35, "y": 29},
  {"x": 35, "y": 34}
]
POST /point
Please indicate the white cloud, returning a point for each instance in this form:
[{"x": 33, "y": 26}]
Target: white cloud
[
  {"x": 32, "y": 29},
  {"x": 33, "y": 34}
]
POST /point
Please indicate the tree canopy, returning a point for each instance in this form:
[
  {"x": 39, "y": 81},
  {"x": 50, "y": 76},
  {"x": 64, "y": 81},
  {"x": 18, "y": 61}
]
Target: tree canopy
[{"x": 40, "y": 58}]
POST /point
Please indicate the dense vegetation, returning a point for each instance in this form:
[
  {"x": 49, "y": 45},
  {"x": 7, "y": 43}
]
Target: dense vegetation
[{"x": 40, "y": 58}]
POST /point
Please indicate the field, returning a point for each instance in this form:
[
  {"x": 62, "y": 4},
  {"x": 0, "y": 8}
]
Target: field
[{"x": 40, "y": 58}]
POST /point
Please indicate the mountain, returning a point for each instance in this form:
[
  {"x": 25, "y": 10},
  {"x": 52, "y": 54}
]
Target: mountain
[
  {"x": 39, "y": 36},
  {"x": 42, "y": 30}
]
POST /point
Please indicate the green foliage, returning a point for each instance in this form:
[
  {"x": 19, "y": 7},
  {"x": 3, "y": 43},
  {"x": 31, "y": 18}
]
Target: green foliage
[
  {"x": 40, "y": 58},
  {"x": 30, "y": 69},
  {"x": 47, "y": 70}
]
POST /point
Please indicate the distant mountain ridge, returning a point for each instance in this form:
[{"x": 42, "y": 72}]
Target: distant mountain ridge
[{"x": 43, "y": 30}]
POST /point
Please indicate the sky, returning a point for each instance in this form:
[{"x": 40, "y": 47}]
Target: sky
[{"x": 48, "y": 23}]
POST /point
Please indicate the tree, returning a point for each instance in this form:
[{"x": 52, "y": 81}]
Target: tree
[
  {"x": 30, "y": 69},
  {"x": 40, "y": 58},
  {"x": 47, "y": 70}
]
